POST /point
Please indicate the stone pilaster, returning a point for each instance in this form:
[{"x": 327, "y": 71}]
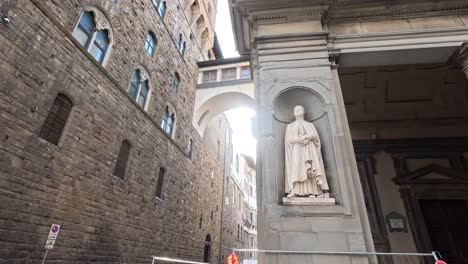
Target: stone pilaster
[{"x": 294, "y": 70}]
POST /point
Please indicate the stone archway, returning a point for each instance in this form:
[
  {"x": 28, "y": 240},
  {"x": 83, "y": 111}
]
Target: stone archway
[{"x": 214, "y": 102}]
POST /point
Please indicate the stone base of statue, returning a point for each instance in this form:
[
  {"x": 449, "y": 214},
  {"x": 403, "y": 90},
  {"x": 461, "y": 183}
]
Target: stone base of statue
[{"x": 296, "y": 200}]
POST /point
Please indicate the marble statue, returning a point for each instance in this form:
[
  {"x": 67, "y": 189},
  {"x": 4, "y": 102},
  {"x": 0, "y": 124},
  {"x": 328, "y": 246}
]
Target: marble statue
[{"x": 305, "y": 173}]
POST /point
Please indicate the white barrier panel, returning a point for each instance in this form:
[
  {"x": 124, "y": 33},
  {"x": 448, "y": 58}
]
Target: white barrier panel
[
  {"x": 375, "y": 257},
  {"x": 163, "y": 259}
]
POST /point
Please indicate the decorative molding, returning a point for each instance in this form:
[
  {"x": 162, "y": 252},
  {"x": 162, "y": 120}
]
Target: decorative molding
[
  {"x": 288, "y": 16},
  {"x": 224, "y": 83},
  {"x": 417, "y": 176},
  {"x": 396, "y": 11},
  {"x": 418, "y": 145}
]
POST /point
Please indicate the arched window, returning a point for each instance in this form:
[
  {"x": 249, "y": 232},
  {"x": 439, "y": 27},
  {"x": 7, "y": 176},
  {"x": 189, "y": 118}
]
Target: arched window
[
  {"x": 95, "y": 41},
  {"x": 159, "y": 184},
  {"x": 138, "y": 89},
  {"x": 85, "y": 29},
  {"x": 171, "y": 124},
  {"x": 176, "y": 83},
  {"x": 190, "y": 149},
  {"x": 200, "y": 23},
  {"x": 207, "y": 250},
  {"x": 168, "y": 122},
  {"x": 182, "y": 49},
  {"x": 143, "y": 95},
  {"x": 56, "y": 119},
  {"x": 156, "y": 3},
  {"x": 162, "y": 9},
  {"x": 205, "y": 38},
  {"x": 194, "y": 11},
  {"x": 100, "y": 45},
  {"x": 165, "y": 118},
  {"x": 181, "y": 44},
  {"x": 122, "y": 159},
  {"x": 150, "y": 44}
]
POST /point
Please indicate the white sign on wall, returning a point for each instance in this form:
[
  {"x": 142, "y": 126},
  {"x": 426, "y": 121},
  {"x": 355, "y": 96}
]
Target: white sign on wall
[{"x": 53, "y": 233}]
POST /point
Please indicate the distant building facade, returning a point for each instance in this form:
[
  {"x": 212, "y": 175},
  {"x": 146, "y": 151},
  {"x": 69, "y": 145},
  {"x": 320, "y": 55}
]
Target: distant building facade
[{"x": 239, "y": 226}]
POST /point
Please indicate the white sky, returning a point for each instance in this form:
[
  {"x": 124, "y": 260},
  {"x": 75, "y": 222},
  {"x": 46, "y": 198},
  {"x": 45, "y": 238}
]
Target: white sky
[
  {"x": 242, "y": 137},
  {"x": 224, "y": 30},
  {"x": 239, "y": 118}
]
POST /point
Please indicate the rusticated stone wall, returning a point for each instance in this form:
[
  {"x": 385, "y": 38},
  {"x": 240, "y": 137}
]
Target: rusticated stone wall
[{"x": 104, "y": 219}]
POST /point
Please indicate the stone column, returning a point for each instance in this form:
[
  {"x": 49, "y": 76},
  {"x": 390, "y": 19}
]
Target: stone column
[
  {"x": 460, "y": 58},
  {"x": 289, "y": 70}
]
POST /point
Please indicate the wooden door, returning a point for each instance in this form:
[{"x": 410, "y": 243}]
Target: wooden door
[{"x": 447, "y": 226}]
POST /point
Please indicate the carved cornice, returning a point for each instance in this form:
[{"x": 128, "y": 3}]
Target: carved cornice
[
  {"x": 247, "y": 14},
  {"x": 341, "y": 14},
  {"x": 289, "y": 16}
]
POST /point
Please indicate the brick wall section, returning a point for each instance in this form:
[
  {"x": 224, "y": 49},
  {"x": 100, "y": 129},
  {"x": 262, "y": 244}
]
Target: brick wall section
[{"x": 104, "y": 219}]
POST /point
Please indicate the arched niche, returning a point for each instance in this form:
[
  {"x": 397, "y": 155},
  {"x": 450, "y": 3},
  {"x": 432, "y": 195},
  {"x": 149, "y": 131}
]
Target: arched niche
[{"x": 315, "y": 112}]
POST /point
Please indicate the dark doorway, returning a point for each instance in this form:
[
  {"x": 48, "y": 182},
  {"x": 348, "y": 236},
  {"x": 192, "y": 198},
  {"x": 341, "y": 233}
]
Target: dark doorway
[
  {"x": 207, "y": 251},
  {"x": 447, "y": 226}
]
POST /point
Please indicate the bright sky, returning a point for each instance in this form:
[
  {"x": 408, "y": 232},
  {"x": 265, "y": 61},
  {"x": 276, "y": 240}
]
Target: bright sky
[
  {"x": 224, "y": 30},
  {"x": 239, "y": 118},
  {"x": 242, "y": 137}
]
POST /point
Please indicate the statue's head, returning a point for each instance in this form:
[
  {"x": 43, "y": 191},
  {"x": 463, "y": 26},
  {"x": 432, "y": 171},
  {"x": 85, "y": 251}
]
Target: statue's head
[{"x": 299, "y": 112}]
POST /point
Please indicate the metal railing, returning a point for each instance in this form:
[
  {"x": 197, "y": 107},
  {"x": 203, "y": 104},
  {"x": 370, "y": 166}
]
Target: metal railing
[{"x": 374, "y": 257}]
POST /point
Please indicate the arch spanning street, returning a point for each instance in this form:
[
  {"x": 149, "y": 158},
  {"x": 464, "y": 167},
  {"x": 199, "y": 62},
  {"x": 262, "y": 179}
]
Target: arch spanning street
[{"x": 216, "y": 96}]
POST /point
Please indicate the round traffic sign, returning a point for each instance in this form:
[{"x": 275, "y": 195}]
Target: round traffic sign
[
  {"x": 440, "y": 262},
  {"x": 55, "y": 228}
]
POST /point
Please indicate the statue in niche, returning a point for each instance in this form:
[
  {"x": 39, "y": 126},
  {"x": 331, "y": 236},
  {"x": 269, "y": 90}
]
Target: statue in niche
[{"x": 305, "y": 173}]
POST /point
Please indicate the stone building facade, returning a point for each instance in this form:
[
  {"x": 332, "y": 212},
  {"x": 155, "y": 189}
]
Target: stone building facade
[
  {"x": 96, "y": 102},
  {"x": 384, "y": 83},
  {"x": 239, "y": 226}
]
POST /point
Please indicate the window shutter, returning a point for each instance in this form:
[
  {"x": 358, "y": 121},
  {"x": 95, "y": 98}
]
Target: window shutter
[
  {"x": 159, "y": 185},
  {"x": 56, "y": 119},
  {"x": 122, "y": 160}
]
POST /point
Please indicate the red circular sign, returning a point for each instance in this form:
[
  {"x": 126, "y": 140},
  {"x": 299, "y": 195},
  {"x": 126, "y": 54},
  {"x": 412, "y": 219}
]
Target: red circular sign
[
  {"x": 440, "y": 262},
  {"x": 232, "y": 259}
]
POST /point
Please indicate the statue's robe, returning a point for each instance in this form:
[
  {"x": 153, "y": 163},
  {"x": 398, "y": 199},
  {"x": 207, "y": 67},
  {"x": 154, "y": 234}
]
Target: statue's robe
[{"x": 297, "y": 155}]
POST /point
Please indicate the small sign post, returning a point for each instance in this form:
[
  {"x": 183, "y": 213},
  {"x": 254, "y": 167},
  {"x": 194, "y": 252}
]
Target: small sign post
[{"x": 53, "y": 233}]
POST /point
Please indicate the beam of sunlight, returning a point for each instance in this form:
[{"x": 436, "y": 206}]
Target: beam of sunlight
[{"x": 241, "y": 120}]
